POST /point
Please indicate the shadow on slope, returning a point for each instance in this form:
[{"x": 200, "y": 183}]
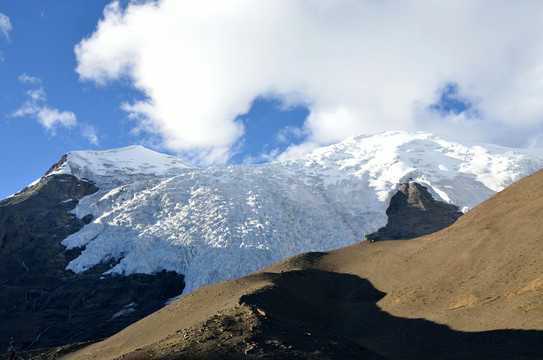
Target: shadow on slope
[
  {"x": 310, "y": 314},
  {"x": 313, "y": 309}
]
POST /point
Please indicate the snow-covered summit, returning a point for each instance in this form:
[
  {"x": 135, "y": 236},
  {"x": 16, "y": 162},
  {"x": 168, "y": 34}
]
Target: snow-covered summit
[
  {"x": 119, "y": 166},
  {"x": 390, "y": 158},
  {"x": 223, "y": 222}
]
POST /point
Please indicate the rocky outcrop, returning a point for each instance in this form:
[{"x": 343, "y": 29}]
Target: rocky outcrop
[
  {"x": 42, "y": 304},
  {"x": 413, "y": 212}
]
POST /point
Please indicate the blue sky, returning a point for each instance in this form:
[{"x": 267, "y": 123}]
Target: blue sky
[
  {"x": 41, "y": 46},
  {"x": 247, "y": 82}
]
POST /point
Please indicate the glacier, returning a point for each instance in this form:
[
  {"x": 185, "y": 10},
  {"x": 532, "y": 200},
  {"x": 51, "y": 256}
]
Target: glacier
[{"x": 154, "y": 212}]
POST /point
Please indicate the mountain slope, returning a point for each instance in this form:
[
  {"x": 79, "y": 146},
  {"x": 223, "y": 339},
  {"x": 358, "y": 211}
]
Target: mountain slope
[
  {"x": 219, "y": 223},
  {"x": 473, "y": 290},
  {"x": 42, "y": 302}
]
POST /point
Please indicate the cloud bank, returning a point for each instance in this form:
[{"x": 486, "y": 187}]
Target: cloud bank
[{"x": 360, "y": 66}]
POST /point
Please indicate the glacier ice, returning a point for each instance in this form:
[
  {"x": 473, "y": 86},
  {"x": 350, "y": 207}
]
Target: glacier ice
[{"x": 154, "y": 212}]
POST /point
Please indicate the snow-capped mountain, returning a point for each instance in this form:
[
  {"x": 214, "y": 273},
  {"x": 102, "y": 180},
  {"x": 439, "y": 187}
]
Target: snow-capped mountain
[
  {"x": 154, "y": 212},
  {"x": 116, "y": 167}
]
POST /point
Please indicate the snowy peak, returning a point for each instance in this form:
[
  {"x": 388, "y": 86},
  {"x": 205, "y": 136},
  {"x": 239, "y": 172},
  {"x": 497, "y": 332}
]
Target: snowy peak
[
  {"x": 120, "y": 166},
  {"x": 389, "y": 159}
]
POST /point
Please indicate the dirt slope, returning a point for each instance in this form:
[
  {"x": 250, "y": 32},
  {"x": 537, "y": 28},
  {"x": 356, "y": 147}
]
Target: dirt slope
[
  {"x": 473, "y": 290},
  {"x": 484, "y": 272}
]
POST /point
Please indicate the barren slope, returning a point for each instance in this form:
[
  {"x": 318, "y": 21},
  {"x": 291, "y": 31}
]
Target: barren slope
[
  {"x": 484, "y": 272},
  {"x": 473, "y": 290}
]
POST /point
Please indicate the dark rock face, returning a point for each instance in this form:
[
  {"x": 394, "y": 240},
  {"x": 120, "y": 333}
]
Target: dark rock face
[
  {"x": 42, "y": 304},
  {"x": 413, "y": 212}
]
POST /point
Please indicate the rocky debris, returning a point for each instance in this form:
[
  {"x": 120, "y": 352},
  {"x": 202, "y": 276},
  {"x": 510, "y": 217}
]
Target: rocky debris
[{"x": 413, "y": 212}]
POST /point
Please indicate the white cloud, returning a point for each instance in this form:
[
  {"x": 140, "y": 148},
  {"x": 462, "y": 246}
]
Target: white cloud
[
  {"x": 35, "y": 106},
  {"x": 37, "y": 95},
  {"x": 360, "y": 66},
  {"x": 47, "y": 116},
  {"x": 51, "y": 117},
  {"x": 26, "y": 79},
  {"x": 5, "y": 25},
  {"x": 89, "y": 132},
  {"x": 289, "y": 132}
]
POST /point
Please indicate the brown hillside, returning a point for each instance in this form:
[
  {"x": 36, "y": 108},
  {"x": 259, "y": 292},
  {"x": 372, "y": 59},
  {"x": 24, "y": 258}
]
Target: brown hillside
[{"x": 473, "y": 290}]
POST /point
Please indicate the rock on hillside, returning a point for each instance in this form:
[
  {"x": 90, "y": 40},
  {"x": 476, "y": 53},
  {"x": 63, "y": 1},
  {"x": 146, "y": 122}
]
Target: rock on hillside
[{"x": 413, "y": 212}]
